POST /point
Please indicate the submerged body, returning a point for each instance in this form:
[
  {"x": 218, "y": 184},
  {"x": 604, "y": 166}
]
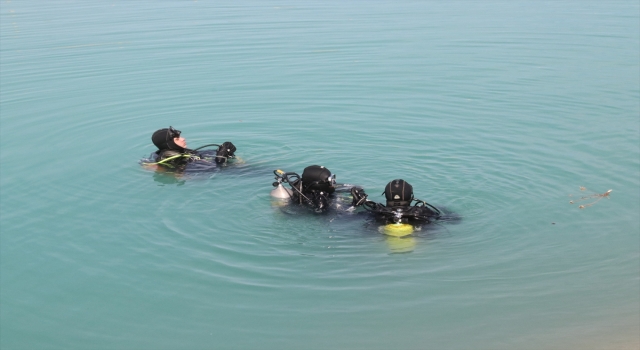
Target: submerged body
[{"x": 192, "y": 161}]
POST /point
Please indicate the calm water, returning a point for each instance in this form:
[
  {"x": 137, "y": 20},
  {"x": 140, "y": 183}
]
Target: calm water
[{"x": 497, "y": 110}]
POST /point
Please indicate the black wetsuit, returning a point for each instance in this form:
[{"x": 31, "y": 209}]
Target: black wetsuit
[
  {"x": 201, "y": 160},
  {"x": 315, "y": 188},
  {"x": 181, "y": 160},
  {"x": 398, "y": 209}
]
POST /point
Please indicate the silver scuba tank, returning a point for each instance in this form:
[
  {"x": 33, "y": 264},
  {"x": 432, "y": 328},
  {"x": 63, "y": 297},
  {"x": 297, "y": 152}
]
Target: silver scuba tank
[{"x": 281, "y": 192}]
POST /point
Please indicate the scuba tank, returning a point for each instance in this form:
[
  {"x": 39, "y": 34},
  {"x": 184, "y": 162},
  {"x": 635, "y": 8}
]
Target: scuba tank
[{"x": 280, "y": 191}]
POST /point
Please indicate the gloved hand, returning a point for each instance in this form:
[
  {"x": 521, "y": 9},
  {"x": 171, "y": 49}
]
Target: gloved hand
[
  {"x": 225, "y": 151},
  {"x": 359, "y": 197}
]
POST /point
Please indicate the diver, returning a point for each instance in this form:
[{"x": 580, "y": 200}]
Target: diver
[
  {"x": 316, "y": 187},
  {"x": 398, "y": 208},
  {"x": 173, "y": 154}
]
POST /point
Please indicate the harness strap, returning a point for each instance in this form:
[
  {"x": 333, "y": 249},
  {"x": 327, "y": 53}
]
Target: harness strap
[{"x": 166, "y": 160}]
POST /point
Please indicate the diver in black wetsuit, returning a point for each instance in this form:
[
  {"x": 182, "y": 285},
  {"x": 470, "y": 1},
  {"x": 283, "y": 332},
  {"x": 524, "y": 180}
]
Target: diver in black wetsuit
[
  {"x": 398, "y": 209},
  {"x": 173, "y": 153},
  {"x": 315, "y": 188}
]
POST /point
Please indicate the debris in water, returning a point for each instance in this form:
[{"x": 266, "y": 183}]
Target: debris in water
[{"x": 598, "y": 197}]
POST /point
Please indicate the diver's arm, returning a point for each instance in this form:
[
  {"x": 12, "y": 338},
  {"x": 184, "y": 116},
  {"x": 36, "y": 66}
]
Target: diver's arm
[
  {"x": 224, "y": 152},
  {"x": 427, "y": 209},
  {"x": 360, "y": 199},
  {"x": 345, "y": 187},
  {"x": 359, "y": 196}
]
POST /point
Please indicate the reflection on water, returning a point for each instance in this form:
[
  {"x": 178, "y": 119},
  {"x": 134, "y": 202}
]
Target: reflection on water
[{"x": 400, "y": 244}]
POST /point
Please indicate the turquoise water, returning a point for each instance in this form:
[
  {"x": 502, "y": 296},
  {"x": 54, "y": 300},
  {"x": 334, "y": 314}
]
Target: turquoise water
[{"x": 497, "y": 110}]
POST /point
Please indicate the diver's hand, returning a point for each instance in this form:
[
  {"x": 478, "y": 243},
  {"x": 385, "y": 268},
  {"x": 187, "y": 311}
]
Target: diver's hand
[
  {"x": 359, "y": 197},
  {"x": 225, "y": 151}
]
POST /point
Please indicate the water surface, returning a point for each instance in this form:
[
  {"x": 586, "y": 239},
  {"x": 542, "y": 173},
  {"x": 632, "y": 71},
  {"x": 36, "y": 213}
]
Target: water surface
[{"x": 497, "y": 110}]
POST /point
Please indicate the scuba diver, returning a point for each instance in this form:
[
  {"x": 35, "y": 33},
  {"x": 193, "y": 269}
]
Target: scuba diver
[
  {"x": 401, "y": 216},
  {"x": 398, "y": 214},
  {"x": 173, "y": 154},
  {"x": 316, "y": 188}
]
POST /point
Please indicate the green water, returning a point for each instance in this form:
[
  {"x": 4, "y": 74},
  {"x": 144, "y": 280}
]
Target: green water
[{"x": 496, "y": 110}]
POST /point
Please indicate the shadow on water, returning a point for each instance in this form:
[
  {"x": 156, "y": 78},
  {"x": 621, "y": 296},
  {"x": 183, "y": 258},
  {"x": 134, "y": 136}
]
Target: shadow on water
[{"x": 168, "y": 178}]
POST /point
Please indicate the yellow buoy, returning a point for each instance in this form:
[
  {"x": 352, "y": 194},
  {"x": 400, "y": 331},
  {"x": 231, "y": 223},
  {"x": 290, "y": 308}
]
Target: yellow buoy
[{"x": 398, "y": 230}]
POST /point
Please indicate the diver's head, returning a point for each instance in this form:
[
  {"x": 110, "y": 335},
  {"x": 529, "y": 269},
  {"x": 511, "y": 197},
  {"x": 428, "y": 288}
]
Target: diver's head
[
  {"x": 399, "y": 193},
  {"x": 169, "y": 139},
  {"x": 318, "y": 178}
]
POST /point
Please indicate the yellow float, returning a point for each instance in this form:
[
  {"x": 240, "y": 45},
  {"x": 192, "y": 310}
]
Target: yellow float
[{"x": 397, "y": 230}]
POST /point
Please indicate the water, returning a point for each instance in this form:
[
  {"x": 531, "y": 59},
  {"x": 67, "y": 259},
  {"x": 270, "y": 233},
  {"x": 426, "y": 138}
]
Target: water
[{"x": 497, "y": 110}]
